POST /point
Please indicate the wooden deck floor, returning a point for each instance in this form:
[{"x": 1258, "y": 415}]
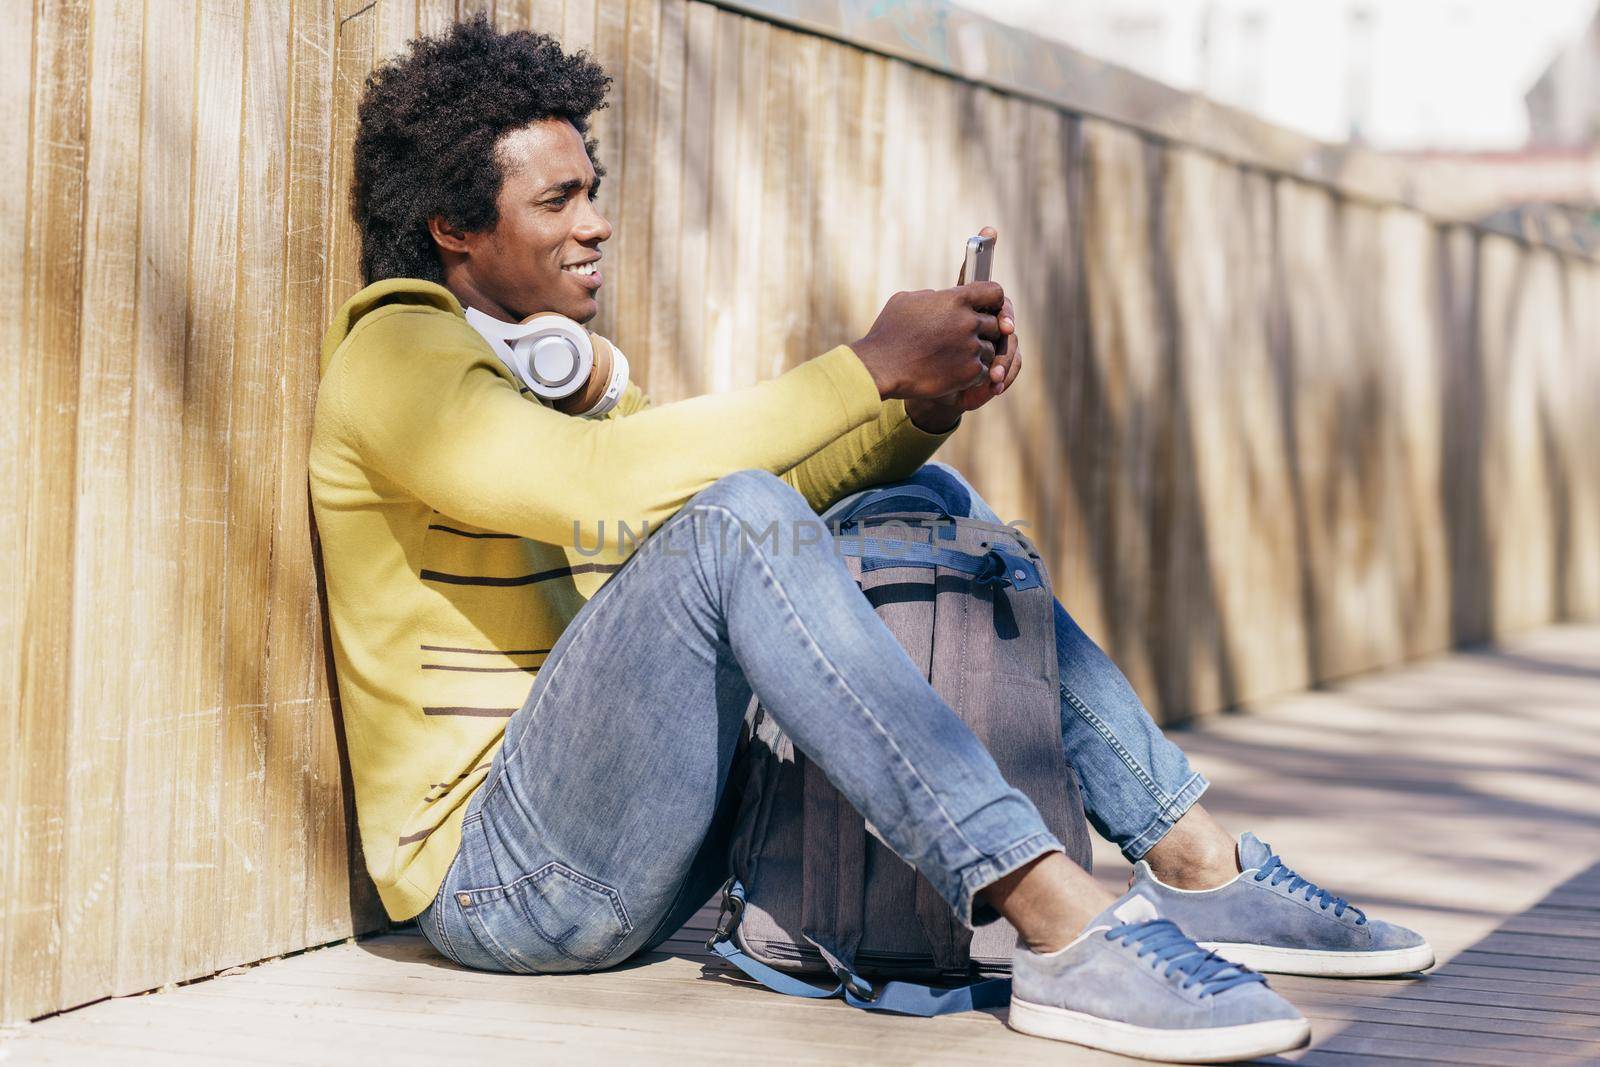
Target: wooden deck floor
[{"x": 1460, "y": 796}]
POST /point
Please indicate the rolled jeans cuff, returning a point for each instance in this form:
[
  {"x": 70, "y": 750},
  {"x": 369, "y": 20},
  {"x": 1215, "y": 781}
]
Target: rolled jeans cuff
[
  {"x": 979, "y": 876},
  {"x": 1166, "y": 818}
]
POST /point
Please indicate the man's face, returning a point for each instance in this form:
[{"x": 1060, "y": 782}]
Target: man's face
[{"x": 548, "y": 226}]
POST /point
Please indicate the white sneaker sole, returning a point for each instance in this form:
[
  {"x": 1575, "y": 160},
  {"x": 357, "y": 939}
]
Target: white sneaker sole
[
  {"x": 1221, "y": 1044},
  {"x": 1271, "y": 960}
]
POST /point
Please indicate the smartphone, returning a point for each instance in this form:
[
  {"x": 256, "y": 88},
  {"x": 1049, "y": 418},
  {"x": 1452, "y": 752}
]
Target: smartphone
[{"x": 980, "y": 257}]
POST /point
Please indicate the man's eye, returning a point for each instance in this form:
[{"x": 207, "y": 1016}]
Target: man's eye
[{"x": 557, "y": 202}]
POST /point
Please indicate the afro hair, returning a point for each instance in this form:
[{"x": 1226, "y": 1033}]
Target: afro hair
[{"x": 428, "y": 125}]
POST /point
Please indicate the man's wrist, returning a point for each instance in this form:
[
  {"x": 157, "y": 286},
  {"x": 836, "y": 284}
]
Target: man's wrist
[{"x": 930, "y": 416}]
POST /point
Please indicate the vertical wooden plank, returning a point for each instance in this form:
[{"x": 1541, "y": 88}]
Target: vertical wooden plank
[
  {"x": 662, "y": 361},
  {"x": 578, "y": 24},
  {"x": 245, "y": 875},
  {"x": 1319, "y": 349},
  {"x": 540, "y": 16},
  {"x": 1524, "y": 280},
  {"x": 1182, "y": 625},
  {"x": 1367, "y": 429},
  {"x": 353, "y": 42},
  {"x": 1186, "y": 628},
  {"x": 1410, "y": 373},
  {"x": 1519, "y": 554},
  {"x": 102, "y": 564},
  {"x": 689, "y": 344},
  {"x": 723, "y": 216},
  {"x": 799, "y": 244},
  {"x": 16, "y": 88},
  {"x": 509, "y": 14},
  {"x": 831, "y": 99},
  {"x": 1027, "y": 405},
  {"x": 248, "y": 877},
  {"x": 894, "y": 191},
  {"x": 1273, "y": 624},
  {"x": 1053, "y": 358},
  {"x": 1123, "y": 390},
  {"x": 950, "y": 177},
  {"x": 606, "y": 126},
  {"x": 745, "y": 351},
  {"x": 630, "y": 295},
  {"x": 50, "y": 278},
  {"x": 1462, "y": 433},
  {"x": 435, "y": 16},
  {"x": 776, "y": 283},
  {"x": 864, "y": 156},
  {"x": 397, "y": 24},
  {"x": 146, "y": 953},
  {"x": 194, "y": 912},
  {"x": 1498, "y": 263}
]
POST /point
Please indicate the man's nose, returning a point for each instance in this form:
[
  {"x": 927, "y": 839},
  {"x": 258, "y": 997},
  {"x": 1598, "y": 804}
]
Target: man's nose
[{"x": 593, "y": 226}]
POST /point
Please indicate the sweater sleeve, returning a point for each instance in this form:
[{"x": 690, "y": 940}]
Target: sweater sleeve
[
  {"x": 429, "y": 408},
  {"x": 888, "y": 449}
]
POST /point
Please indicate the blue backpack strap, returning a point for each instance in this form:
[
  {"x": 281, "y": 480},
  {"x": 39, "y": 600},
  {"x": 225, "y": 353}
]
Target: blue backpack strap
[
  {"x": 910, "y": 998},
  {"x": 771, "y": 977},
  {"x": 849, "y": 507},
  {"x": 901, "y": 998}
]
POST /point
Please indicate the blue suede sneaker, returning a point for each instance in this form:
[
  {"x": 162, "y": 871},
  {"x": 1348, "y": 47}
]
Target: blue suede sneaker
[
  {"x": 1271, "y": 919},
  {"x": 1134, "y": 983}
]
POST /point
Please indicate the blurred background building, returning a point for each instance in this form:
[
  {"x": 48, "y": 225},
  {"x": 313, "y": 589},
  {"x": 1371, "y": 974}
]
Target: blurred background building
[{"x": 1498, "y": 101}]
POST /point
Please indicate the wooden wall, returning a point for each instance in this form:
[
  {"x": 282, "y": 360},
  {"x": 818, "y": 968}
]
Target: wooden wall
[{"x": 1269, "y": 434}]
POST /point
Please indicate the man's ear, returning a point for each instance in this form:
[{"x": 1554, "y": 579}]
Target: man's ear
[{"x": 447, "y": 236}]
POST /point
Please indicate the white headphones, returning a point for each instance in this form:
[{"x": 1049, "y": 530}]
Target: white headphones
[{"x": 554, "y": 357}]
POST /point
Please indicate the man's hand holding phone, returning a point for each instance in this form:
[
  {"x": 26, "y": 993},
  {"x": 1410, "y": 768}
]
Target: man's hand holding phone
[{"x": 944, "y": 352}]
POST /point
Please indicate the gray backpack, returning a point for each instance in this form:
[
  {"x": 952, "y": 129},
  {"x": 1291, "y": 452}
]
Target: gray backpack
[{"x": 814, "y": 892}]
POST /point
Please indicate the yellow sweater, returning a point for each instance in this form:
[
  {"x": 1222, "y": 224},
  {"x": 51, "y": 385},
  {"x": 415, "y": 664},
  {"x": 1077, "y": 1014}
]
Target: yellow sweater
[{"x": 446, "y": 501}]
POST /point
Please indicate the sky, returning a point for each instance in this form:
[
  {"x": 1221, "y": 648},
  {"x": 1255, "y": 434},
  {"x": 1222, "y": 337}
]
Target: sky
[{"x": 1407, "y": 74}]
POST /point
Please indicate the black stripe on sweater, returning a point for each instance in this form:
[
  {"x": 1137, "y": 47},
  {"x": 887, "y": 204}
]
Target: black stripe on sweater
[{"x": 521, "y": 579}]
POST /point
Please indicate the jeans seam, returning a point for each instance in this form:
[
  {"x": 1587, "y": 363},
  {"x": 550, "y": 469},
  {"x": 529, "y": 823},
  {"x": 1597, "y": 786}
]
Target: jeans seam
[
  {"x": 1165, "y": 819},
  {"x": 445, "y": 945},
  {"x": 866, "y": 711},
  {"x": 1109, "y": 736}
]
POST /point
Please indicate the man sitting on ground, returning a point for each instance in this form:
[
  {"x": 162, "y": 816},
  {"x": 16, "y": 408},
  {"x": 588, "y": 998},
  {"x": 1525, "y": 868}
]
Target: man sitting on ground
[{"x": 540, "y": 732}]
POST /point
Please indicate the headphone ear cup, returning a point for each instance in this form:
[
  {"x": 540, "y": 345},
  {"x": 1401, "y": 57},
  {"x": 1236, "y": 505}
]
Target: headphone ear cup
[
  {"x": 604, "y": 383},
  {"x": 555, "y": 357}
]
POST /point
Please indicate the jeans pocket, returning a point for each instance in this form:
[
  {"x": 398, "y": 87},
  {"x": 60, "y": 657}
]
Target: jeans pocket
[{"x": 552, "y": 920}]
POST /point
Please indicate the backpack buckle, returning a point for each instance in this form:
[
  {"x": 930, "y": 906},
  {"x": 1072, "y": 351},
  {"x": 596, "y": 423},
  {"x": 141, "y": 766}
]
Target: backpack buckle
[
  {"x": 1007, "y": 569},
  {"x": 728, "y": 917},
  {"x": 855, "y": 985}
]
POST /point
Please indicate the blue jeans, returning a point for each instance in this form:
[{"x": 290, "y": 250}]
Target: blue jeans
[{"x": 604, "y": 821}]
